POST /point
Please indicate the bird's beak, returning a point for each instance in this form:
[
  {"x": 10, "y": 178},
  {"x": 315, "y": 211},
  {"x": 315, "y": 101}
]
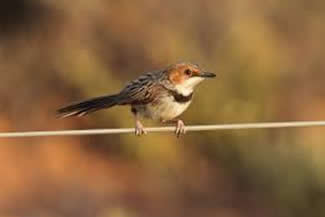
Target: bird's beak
[{"x": 207, "y": 75}]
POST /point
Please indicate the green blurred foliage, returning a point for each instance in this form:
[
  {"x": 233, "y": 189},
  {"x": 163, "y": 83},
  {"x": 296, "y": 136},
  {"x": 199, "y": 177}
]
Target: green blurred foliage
[{"x": 269, "y": 58}]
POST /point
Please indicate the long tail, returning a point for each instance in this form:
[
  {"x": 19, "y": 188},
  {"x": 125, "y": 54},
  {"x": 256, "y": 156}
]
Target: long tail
[{"x": 88, "y": 106}]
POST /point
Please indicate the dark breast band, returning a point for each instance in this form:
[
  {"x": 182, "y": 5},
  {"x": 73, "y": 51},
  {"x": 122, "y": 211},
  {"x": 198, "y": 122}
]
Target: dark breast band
[{"x": 181, "y": 98}]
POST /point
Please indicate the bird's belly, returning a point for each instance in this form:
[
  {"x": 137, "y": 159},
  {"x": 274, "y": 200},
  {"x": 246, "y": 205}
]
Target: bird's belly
[{"x": 165, "y": 109}]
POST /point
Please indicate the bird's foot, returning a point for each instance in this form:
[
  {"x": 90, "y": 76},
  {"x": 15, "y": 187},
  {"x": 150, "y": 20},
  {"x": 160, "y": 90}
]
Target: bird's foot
[
  {"x": 180, "y": 128},
  {"x": 139, "y": 129}
]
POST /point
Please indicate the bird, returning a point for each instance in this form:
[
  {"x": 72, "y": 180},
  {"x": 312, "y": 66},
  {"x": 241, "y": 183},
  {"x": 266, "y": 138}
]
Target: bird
[{"x": 161, "y": 95}]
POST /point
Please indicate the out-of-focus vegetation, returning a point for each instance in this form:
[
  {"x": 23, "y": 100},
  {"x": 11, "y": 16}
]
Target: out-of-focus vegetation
[{"x": 269, "y": 57}]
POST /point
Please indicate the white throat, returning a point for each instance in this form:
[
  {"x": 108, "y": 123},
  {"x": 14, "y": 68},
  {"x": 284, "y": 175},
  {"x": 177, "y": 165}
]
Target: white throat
[{"x": 187, "y": 87}]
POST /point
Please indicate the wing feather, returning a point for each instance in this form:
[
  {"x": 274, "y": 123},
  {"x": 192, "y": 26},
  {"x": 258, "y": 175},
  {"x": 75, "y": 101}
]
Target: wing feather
[{"x": 143, "y": 90}]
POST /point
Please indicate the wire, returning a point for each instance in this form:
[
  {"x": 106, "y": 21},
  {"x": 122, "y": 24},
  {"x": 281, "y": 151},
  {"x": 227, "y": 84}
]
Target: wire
[{"x": 293, "y": 124}]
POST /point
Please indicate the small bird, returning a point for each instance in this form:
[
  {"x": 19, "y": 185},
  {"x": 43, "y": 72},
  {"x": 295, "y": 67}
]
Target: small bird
[{"x": 159, "y": 95}]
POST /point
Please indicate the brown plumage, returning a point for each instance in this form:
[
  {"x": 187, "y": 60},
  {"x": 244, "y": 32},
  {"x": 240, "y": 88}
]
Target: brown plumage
[{"x": 160, "y": 95}]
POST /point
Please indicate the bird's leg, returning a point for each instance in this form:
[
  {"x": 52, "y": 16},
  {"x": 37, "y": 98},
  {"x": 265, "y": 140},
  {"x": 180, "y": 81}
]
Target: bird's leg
[
  {"x": 139, "y": 129},
  {"x": 180, "y": 126}
]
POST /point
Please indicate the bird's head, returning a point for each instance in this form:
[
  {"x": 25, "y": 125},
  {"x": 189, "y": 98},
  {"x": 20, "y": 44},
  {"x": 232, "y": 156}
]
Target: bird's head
[{"x": 186, "y": 76}]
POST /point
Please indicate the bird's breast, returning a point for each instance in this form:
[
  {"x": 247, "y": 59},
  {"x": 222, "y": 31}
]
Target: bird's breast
[{"x": 165, "y": 108}]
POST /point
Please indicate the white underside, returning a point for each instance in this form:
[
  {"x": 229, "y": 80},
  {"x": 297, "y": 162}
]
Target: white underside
[{"x": 166, "y": 109}]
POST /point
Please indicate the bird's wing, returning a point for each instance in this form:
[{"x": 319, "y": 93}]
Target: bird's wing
[{"x": 143, "y": 90}]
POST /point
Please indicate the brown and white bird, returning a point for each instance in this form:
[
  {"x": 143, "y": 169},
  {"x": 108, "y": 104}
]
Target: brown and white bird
[{"x": 160, "y": 95}]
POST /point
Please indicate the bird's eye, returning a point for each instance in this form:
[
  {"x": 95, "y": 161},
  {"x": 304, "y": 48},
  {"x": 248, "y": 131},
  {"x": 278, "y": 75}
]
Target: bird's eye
[{"x": 188, "y": 72}]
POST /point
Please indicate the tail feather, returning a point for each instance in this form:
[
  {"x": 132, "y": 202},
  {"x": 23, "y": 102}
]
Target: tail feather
[{"x": 87, "y": 106}]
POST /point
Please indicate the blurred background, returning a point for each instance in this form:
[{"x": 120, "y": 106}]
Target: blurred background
[{"x": 269, "y": 57}]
